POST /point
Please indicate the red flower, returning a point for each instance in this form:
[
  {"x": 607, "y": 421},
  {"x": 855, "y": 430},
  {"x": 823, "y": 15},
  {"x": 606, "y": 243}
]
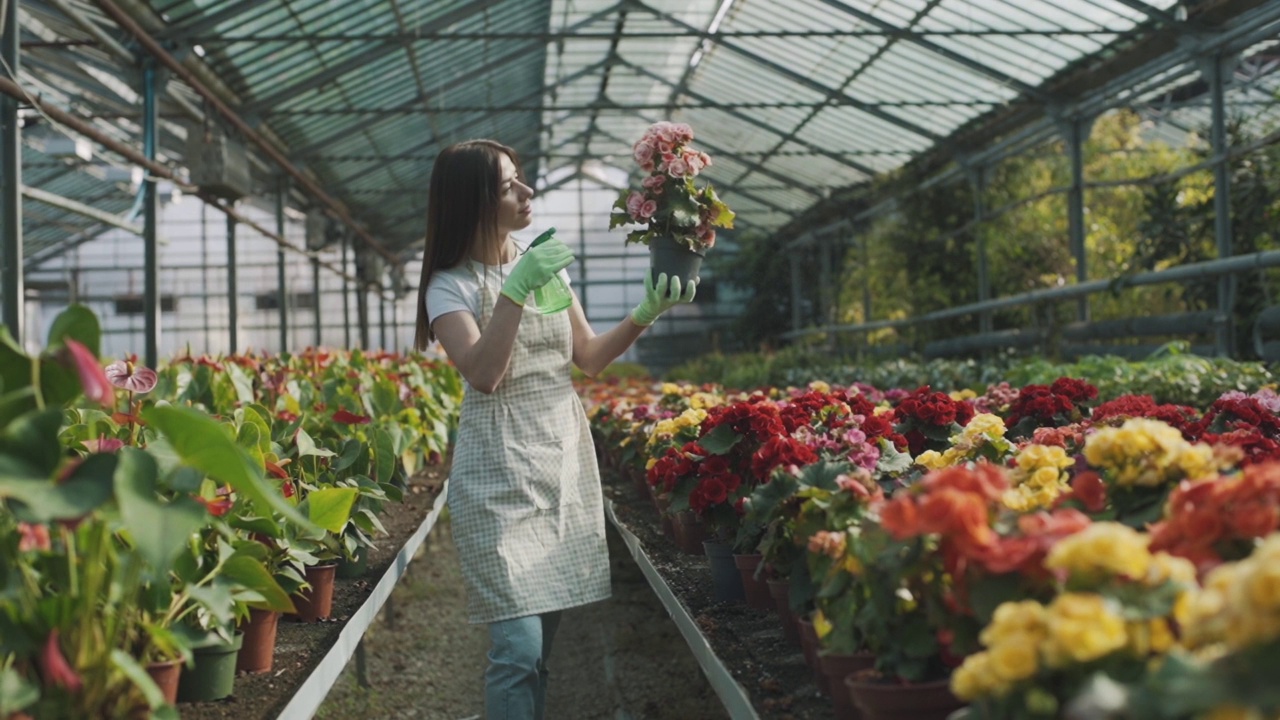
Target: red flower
[
  {"x": 901, "y": 517},
  {"x": 349, "y": 418},
  {"x": 984, "y": 480},
  {"x": 54, "y": 668},
  {"x": 92, "y": 380},
  {"x": 216, "y": 508},
  {"x": 276, "y": 470},
  {"x": 34, "y": 537}
]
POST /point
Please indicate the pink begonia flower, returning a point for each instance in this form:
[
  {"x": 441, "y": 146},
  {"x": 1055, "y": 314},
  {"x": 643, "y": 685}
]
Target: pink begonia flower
[
  {"x": 634, "y": 202},
  {"x": 682, "y": 132},
  {"x": 648, "y": 166},
  {"x": 677, "y": 168},
  {"x": 648, "y": 209},
  {"x": 34, "y": 537},
  {"x": 706, "y": 159},
  {"x": 54, "y": 667},
  {"x": 654, "y": 184},
  {"x": 642, "y": 151},
  {"x": 694, "y": 162},
  {"x": 134, "y": 378},
  {"x": 92, "y": 379}
]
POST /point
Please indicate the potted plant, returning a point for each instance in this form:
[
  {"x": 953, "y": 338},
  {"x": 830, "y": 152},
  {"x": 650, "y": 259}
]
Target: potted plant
[{"x": 680, "y": 218}]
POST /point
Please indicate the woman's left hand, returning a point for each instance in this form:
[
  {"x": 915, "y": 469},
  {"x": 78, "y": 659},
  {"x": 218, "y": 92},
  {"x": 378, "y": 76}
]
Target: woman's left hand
[{"x": 661, "y": 298}]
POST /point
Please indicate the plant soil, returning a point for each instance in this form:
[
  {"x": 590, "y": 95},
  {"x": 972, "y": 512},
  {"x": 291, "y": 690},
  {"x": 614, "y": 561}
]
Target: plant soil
[{"x": 748, "y": 641}]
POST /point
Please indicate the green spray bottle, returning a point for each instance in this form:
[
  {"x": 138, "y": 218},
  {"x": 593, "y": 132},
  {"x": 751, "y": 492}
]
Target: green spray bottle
[{"x": 554, "y": 296}]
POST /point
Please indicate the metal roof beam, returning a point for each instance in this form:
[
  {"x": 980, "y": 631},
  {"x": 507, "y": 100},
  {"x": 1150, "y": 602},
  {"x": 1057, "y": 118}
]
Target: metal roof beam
[
  {"x": 448, "y": 36},
  {"x": 757, "y": 122},
  {"x": 618, "y": 107},
  {"x": 803, "y": 80},
  {"x": 316, "y": 80},
  {"x": 79, "y": 208},
  {"x": 974, "y": 65},
  {"x": 1154, "y": 13},
  {"x": 206, "y": 23}
]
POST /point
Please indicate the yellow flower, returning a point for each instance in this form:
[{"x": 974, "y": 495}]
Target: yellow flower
[
  {"x": 974, "y": 678},
  {"x": 691, "y": 418},
  {"x": 1169, "y": 568},
  {"x": 960, "y": 395},
  {"x": 882, "y": 409},
  {"x": 1082, "y": 627},
  {"x": 852, "y": 565},
  {"x": 1148, "y": 453},
  {"x": 819, "y": 386},
  {"x": 648, "y": 465},
  {"x": 1149, "y": 637},
  {"x": 931, "y": 459},
  {"x": 1102, "y": 549},
  {"x": 1043, "y": 477},
  {"x": 1016, "y": 659},
  {"x": 1044, "y": 456},
  {"x": 1025, "y": 619},
  {"x": 821, "y": 625},
  {"x": 670, "y": 389}
]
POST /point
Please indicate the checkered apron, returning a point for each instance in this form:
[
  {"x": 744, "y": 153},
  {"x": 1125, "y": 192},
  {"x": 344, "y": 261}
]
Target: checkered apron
[{"x": 524, "y": 492}]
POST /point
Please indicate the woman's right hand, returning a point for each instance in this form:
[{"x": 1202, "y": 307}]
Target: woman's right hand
[{"x": 535, "y": 269}]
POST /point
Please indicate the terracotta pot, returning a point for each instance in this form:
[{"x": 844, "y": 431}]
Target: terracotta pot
[
  {"x": 316, "y": 603},
  {"x": 757, "y": 591},
  {"x": 165, "y": 675},
  {"x": 838, "y": 667},
  {"x": 880, "y": 700},
  {"x": 780, "y": 591},
  {"x": 259, "y": 641},
  {"x": 694, "y": 532},
  {"x": 809, "y": 643}
]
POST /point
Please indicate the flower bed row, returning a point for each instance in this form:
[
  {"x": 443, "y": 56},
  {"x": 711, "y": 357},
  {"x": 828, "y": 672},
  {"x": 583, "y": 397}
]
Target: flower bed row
[
  {"x": 155, "y": 524},
  {"x": 1026, "y": 551}
]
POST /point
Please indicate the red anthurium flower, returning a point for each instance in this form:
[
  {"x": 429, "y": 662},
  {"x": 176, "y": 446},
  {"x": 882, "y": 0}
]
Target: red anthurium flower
[
  {"x": 287, "y": 489},
  {"x": 131, "y": 377},
  {"x": 92, "y": 379},
  {"x": 34, "y": 537},
  {"x": 103, "y": 445},
  {"x": 276, "y": 470},
  {"x": 287, "y": 416},
  {"x": 54, "y": 667},
  {"x": 216, "y": 508},
  {"x": 349, "y": 418}
]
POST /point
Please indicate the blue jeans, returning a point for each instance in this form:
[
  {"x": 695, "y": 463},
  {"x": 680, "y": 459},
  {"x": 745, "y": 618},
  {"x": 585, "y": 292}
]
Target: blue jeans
[{"x": 515, "y": 683}]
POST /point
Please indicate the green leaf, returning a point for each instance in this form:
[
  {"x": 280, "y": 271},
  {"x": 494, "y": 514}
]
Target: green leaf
[
  {"x": 78, "y": 323},
  {"x": 385, "y": 398},
  {"x": 250, "y": 574},
  {"x": 385, "y": 455},
  {"x": 307, "y": 446},
  {"x": 720, "y": 440},
  {"x": 160, "y": 530},
  {"x": 201, "y": 443},
  {"x": 241, "y": 382},
  {"x": 17, "y": 403},
  {"x": 34, "y": 438},
  {"x": 59, "y": 384},
  {"x": 330, "y": 507},
  {"x": 88, "y": 487},
  {"x": 125, "y": 663},
  {"x": 15, "y": 692}
]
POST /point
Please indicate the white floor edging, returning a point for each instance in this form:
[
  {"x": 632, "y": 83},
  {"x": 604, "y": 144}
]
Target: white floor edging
[
  {"x": 731, "y": 693},
  {"x": 311, "y": 694}
]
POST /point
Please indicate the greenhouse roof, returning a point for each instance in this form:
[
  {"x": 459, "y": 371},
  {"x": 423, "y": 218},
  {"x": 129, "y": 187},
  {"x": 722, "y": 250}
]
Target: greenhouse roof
[{"x": 797, "y": 101}]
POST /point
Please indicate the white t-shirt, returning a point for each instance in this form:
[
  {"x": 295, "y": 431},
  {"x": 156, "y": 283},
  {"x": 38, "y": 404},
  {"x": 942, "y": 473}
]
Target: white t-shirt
[{"x": 457, "y": 288}]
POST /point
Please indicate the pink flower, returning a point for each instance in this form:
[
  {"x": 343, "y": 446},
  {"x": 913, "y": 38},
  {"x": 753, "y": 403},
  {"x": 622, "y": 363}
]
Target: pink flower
[
  {"x": 34, "y": 537},
  {"x": 134, "y": 378},
  {"x": 634, "y": 202},
  {"x": 682, "y": 132},
  {"x": 705, "y": 158},
  {"x": 103, "y": 445},
  {"x": 677, "y": 168},
  {"x": 694, "y": 162},
  {"x": 707, "y": 235},
  {"x": 654, "y": 184},
  {"x": 648, "y": 209},
  {"x": 54, "y": 667},
  {"x": 92, "y": 379},
  {"x": 643, "y": 152},
  {"x": 648, "y": 166}
]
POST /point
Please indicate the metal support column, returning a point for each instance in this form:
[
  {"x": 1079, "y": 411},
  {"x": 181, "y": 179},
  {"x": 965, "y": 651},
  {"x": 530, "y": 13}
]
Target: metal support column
[
  {"x": 11, "y": 182},
  {"x": 204, "y": 272},
  {"x": 1076, "y": 132},
  {"x": 362, "y": 314},
  {"x": 382, "y": 322},
  {"x": 1217, "y": 69},
  {"x": 283, "y": 295},
  {"x": 150, "y": 263},
  {"x": 395, "y": 326},
  {"x": 346, "y": 294},
  {"x": 978, "y": 186},
  {"x": 233, "y": 299},
  {"x": 582, "y": 245},
  {"x": 315, "y": 297}
]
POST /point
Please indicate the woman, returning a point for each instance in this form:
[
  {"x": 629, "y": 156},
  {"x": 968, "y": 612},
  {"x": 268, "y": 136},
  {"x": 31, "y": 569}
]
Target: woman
[{"x": 524, "y": 490}]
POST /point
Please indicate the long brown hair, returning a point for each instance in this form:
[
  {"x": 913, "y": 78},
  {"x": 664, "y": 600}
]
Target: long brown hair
[{"x": 462, "y": 209}]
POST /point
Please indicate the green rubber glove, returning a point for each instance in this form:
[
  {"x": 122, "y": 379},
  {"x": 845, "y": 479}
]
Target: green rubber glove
[
  {"x": 661, "y": 298},
  {"x": 535, "y": 269}
]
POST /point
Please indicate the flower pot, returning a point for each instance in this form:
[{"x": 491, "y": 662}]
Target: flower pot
[
  {"x": 879, "y": 700},
  {"x": 259, "y": 641},
  {"x": 670, "y": 257},
  {"x": 212, "y": 675},
  {"x": 835, "y": 668},
  {"x": 165, "y": 675},
  {"x": 780, "y": 590},
  {"x": 726, "y": 581},
  {"x": 356, "y": 567},
  {"x": 809, "y": 644},
  {"x": 316, "y": 603},
  {"x": 756, "y": 590},
  {"x": 691, "y": 534}
]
